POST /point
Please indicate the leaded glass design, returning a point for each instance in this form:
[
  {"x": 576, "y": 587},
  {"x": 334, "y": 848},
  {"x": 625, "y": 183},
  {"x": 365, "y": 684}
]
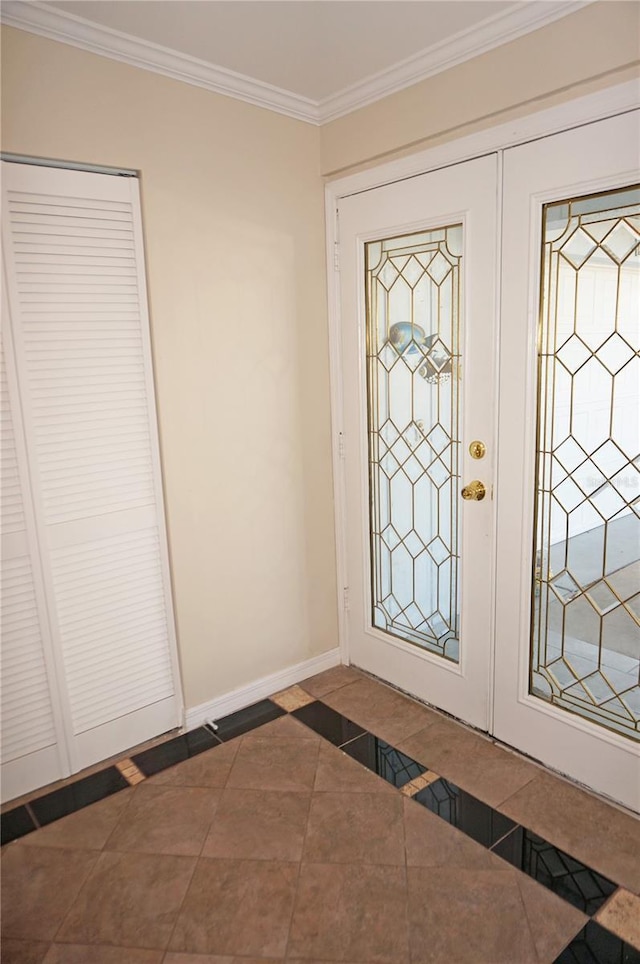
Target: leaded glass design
[
  {"x": 585, "y": 652},
  {"x": 413, "y": 287}
]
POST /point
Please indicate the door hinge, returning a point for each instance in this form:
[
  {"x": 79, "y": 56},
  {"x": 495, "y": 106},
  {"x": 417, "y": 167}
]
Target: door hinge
[
  {"x": 336, "y": 255},
  {"x": 345, "y": 599},
  {"x": 341, "y": 452}
]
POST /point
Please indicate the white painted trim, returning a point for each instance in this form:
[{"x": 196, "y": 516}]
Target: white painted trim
[
  {"x": 582, "y": 110},
  {"x": 500, "y": 29},
  {"x": 54, "y": 24},
  {"x": 332, "y": 238},
  {"x": 246, "y": 695},
  {"x": 67, "y": 28}
]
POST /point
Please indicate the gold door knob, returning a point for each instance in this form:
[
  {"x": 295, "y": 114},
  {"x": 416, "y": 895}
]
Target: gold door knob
[{"x": 475, "y": 491}]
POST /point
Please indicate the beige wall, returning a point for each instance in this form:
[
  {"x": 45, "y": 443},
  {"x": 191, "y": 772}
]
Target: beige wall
[
  {"x": 233, "y": 215},
  {"x": 587, "y": 50},
  {"x": 232, "y": 205}
]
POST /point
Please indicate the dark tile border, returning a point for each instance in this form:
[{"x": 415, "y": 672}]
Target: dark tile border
[
  {"x": 16, "y": 823},
  {"x": 556, "y": 870},
  {"x": 182, "y": 747},
  {"x": 596, "y": 945},
  {"x": 235, "y": 724},
  {"x": 474, "y": 818},
  {"x": 76, "y": 796},
  {"x": 384, "y": 760},
  {"x": 333, "y": 726}
]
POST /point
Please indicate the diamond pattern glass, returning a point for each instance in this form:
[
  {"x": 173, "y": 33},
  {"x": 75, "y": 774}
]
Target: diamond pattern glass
[
  {"x": 413, "y": 286},
  {"x": 585, "y": 649}
]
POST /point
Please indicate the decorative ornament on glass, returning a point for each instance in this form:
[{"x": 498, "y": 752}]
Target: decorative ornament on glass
[{"x": 407, "y": 338}]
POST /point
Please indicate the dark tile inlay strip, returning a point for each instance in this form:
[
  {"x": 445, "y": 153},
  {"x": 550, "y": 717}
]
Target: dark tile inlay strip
[
  {"x": 334, "y": 727},
  {"x": 596, "y": 945},
  {"x": 66, "y": 800},
  {"x": 247, "y": 719},
  {"x": 16, "y": 823},
  {"x": 393, "y": 766},
  {"x": 475, "y": 818},
  {"x": 568, "y": 878},
  {"x": 175, "y": 751}
]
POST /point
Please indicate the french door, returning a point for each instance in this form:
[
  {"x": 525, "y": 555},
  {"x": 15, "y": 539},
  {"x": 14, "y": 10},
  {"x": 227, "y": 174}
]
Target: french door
[
  {"x": 491, "y": 572},
  {"x": 568, "y": 558},
  {"x": 418, "y": 262}
]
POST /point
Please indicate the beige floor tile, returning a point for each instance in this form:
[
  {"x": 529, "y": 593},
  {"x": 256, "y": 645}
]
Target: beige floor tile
[
  {"x": 292, "y": 698},
  {"x": 601, "y": 836},
  {"x": 130, "y": 900},
  {"x": 208, "y": 769},
  {"x": 332, "y": 679},
  {"x": 363, "y": 828},
  {"x": 23, "y": 952},
  {"x": 179, "y": 958},
  {"x": 94, "y": 954},
  {"x": 275, "y": 764},
  {"x": 470, "y": 760},
  {"x": 87, "y": 829},
  {"x": 478, "y": 917},
  {"x": 621, "y": 914},
  {"x": 240, "y": 907},
  {"x": 338, "y": 772},
  {"x": 431, "y": 842},
  {"x": 553, "y": 922},
  {"x": 349, "y": 912},
  {"x": 381, "y": 710},
  {"x": 284, "y": 728},
  {"x": 166, "y": 820},
  {"x": 39, "y": 885},
  {"x": 259, "y": 825}
]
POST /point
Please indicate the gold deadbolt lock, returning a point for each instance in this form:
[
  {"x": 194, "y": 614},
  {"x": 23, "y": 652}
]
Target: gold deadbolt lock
[
  {"x": 474, "y": 492},
  {"x": 477, "y": 450}
]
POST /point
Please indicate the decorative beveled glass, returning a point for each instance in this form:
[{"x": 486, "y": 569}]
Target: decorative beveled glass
[
  {"x": 413, "y": 289},
  {"x": 585, "y": 652}
]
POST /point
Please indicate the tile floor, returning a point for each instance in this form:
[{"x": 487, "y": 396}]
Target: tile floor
[{"x": 339, "y": 821}]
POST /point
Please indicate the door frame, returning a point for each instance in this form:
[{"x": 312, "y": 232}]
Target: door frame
[{"x": 583, "y": 110}]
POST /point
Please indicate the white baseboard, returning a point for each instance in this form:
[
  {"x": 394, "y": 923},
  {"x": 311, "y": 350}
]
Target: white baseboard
[{"x": 237, "y": 699}]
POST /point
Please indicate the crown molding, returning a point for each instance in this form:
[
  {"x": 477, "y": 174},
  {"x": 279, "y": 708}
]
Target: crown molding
[
  {"x": 67, "y": 28},
  {"x": 64, "y": 27},
  {"x": 495, "y": 31}
]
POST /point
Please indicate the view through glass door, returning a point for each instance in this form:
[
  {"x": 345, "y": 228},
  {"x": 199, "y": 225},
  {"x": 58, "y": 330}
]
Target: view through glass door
[{"x": 418, "y": 266}]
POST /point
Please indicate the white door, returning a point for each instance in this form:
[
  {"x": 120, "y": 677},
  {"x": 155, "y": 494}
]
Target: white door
[
  {"x": 434, "y": 606},
  {"x": 418, "y": 269},
  {"x": 79, "y": 362},
  {"x": 31, "y": 720},
  {"x": 568, "y": 614}
]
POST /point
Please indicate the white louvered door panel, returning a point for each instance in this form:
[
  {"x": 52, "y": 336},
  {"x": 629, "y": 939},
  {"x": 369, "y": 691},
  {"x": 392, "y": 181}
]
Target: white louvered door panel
[
  {"x": 78, "y": 306},
  {"x": 31, "y": 754}
]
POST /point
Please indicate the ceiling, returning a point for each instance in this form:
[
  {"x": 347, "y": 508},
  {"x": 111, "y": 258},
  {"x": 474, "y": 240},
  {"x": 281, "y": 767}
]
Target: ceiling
[{"x": 314, "y": 58}]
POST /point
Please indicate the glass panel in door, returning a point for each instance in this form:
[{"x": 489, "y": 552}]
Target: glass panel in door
[
  {"x": 413, "y": 294},
  {"x": 585, "y": 654}
]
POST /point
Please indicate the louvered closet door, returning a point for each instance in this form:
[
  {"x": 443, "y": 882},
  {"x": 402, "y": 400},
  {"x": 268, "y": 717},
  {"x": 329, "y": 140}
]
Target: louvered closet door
[
  {"x": 31, "y": 722},
  {"x": 73, "y": 245}
]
